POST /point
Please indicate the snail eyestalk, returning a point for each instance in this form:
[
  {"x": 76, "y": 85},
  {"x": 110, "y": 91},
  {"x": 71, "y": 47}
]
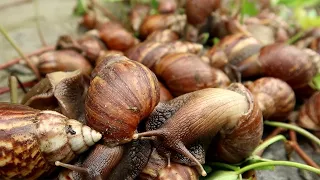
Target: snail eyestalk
[{"x": 72, "y": 167}]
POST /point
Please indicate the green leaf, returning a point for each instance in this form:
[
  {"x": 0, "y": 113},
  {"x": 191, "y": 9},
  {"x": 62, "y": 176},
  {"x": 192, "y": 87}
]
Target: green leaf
[
  {"x": 81, "y": 8},
  {"x": 305, "y": 21},
  {"x": 208, "y": 169},
  {"x": 216, "y": 41},
  {"x": 316, "y": 82},
  {"x": 249, "y": 8},
  {"x": 297, "y": 3},
  {"x": 222, "y": 175},
  {"x": 154, "y": 4},
  {"x": 203, "y": 38}
]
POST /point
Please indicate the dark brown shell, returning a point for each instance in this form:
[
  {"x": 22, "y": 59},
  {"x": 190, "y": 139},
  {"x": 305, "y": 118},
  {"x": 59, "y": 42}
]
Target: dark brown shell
[
  {"x": 116, "y": 37},
  {"x": 198, "y": 10},
  {"x": 148, "y": 53},
  {"x": 285, "y": 62},
  {"x": 309, "y": 116},
  {"x": 63, "y": 60},
  {"x": 91, "y": 46},
  {"x": 162, "y": 21},
  {"x": 177, "y": 171},
  {"x": 232, "y": 145},
  {"x": 186, "y": 72},
  {"x": 163, "y": 36},
  {"x": 275, "y": 97},
  {"x": 122, "y": 92}
]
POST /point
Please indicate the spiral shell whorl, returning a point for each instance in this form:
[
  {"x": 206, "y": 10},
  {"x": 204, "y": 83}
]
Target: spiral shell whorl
[
  {"x": 75, "y": 139},
  {"x": 123, "y": 87},
  {"x": 275, "y": 97},
  {"x": 309, "y": 116}
]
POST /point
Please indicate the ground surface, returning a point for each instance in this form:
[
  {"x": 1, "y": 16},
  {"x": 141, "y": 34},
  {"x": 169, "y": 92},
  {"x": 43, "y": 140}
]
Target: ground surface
[{"x": 56, "y": 19}]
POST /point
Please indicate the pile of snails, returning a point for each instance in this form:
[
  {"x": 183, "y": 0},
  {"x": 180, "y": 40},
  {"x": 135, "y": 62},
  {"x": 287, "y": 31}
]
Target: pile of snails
[{"x": 158, "y": 106}]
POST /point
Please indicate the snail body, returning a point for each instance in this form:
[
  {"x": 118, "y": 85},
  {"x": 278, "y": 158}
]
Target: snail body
[
  {"x": 121, "y": 93},
  {"x": 217, "y": 110},
  {"x": 33, "y": 140},
  {"x": 99, "y": 163}
]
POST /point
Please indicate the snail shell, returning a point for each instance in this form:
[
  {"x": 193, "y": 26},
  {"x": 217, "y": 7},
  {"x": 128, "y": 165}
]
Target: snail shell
[
  {"x": 148, "y": 53},
  {"x": 275, "y": 97},
  {"x": 186, "y": 72},
  {"x": 230, "y": 114},
  {"x": 121, "y": 93},
  {"x": 63, "y": 60},
  {"x": 32, "y": 140},
  {"x": 309, "y": 116}
]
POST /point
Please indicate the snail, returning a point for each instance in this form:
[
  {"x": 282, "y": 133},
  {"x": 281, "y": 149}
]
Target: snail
[
  {"x": 163, "y": 36},
  {"x": 157, "y": 168},
  {"x": 275, "y": 97},
  {"x": 137, "y": 14},
  {"x": 309, "y": 115},
  {"x": 152, "y": 23},
  {"x": 288, "y": 63},
  {"x": 235, "y": 49},
  {"x": 197, "y": 11},
  {"x": 63, "y": 60},
  {"x": 230, "y": 113},
  {"x": 116, "y": 37},
  {"x": 148, "y": 53},
  {"x": 186, "y": 72},
  {"x": 33, "y": 140},
  {"x": 91, "y": 46},
  {"x": 121, "y": 93},
  {"x": 98, "y": 164}
]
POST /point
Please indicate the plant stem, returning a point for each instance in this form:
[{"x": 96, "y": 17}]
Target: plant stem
[
  {"x": 30, "y": 64},
  {"x": 36, "y": 9},
  {"x": 13, "y": 83},
  {"x": 14, "y": 3},
  {"x": 17, "y": 60},
  {"x": 223, "y": 165},
  {"x": 26, "y": 84},
  {"x": 294, "y": 38},
  {"x": 278, "y": 163},
  {"x": 295, "y": 128},
  {"x": 294, "y": 144},
  {"x": 303, "y": 155},
  {"x": 267, "y": 143}
]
